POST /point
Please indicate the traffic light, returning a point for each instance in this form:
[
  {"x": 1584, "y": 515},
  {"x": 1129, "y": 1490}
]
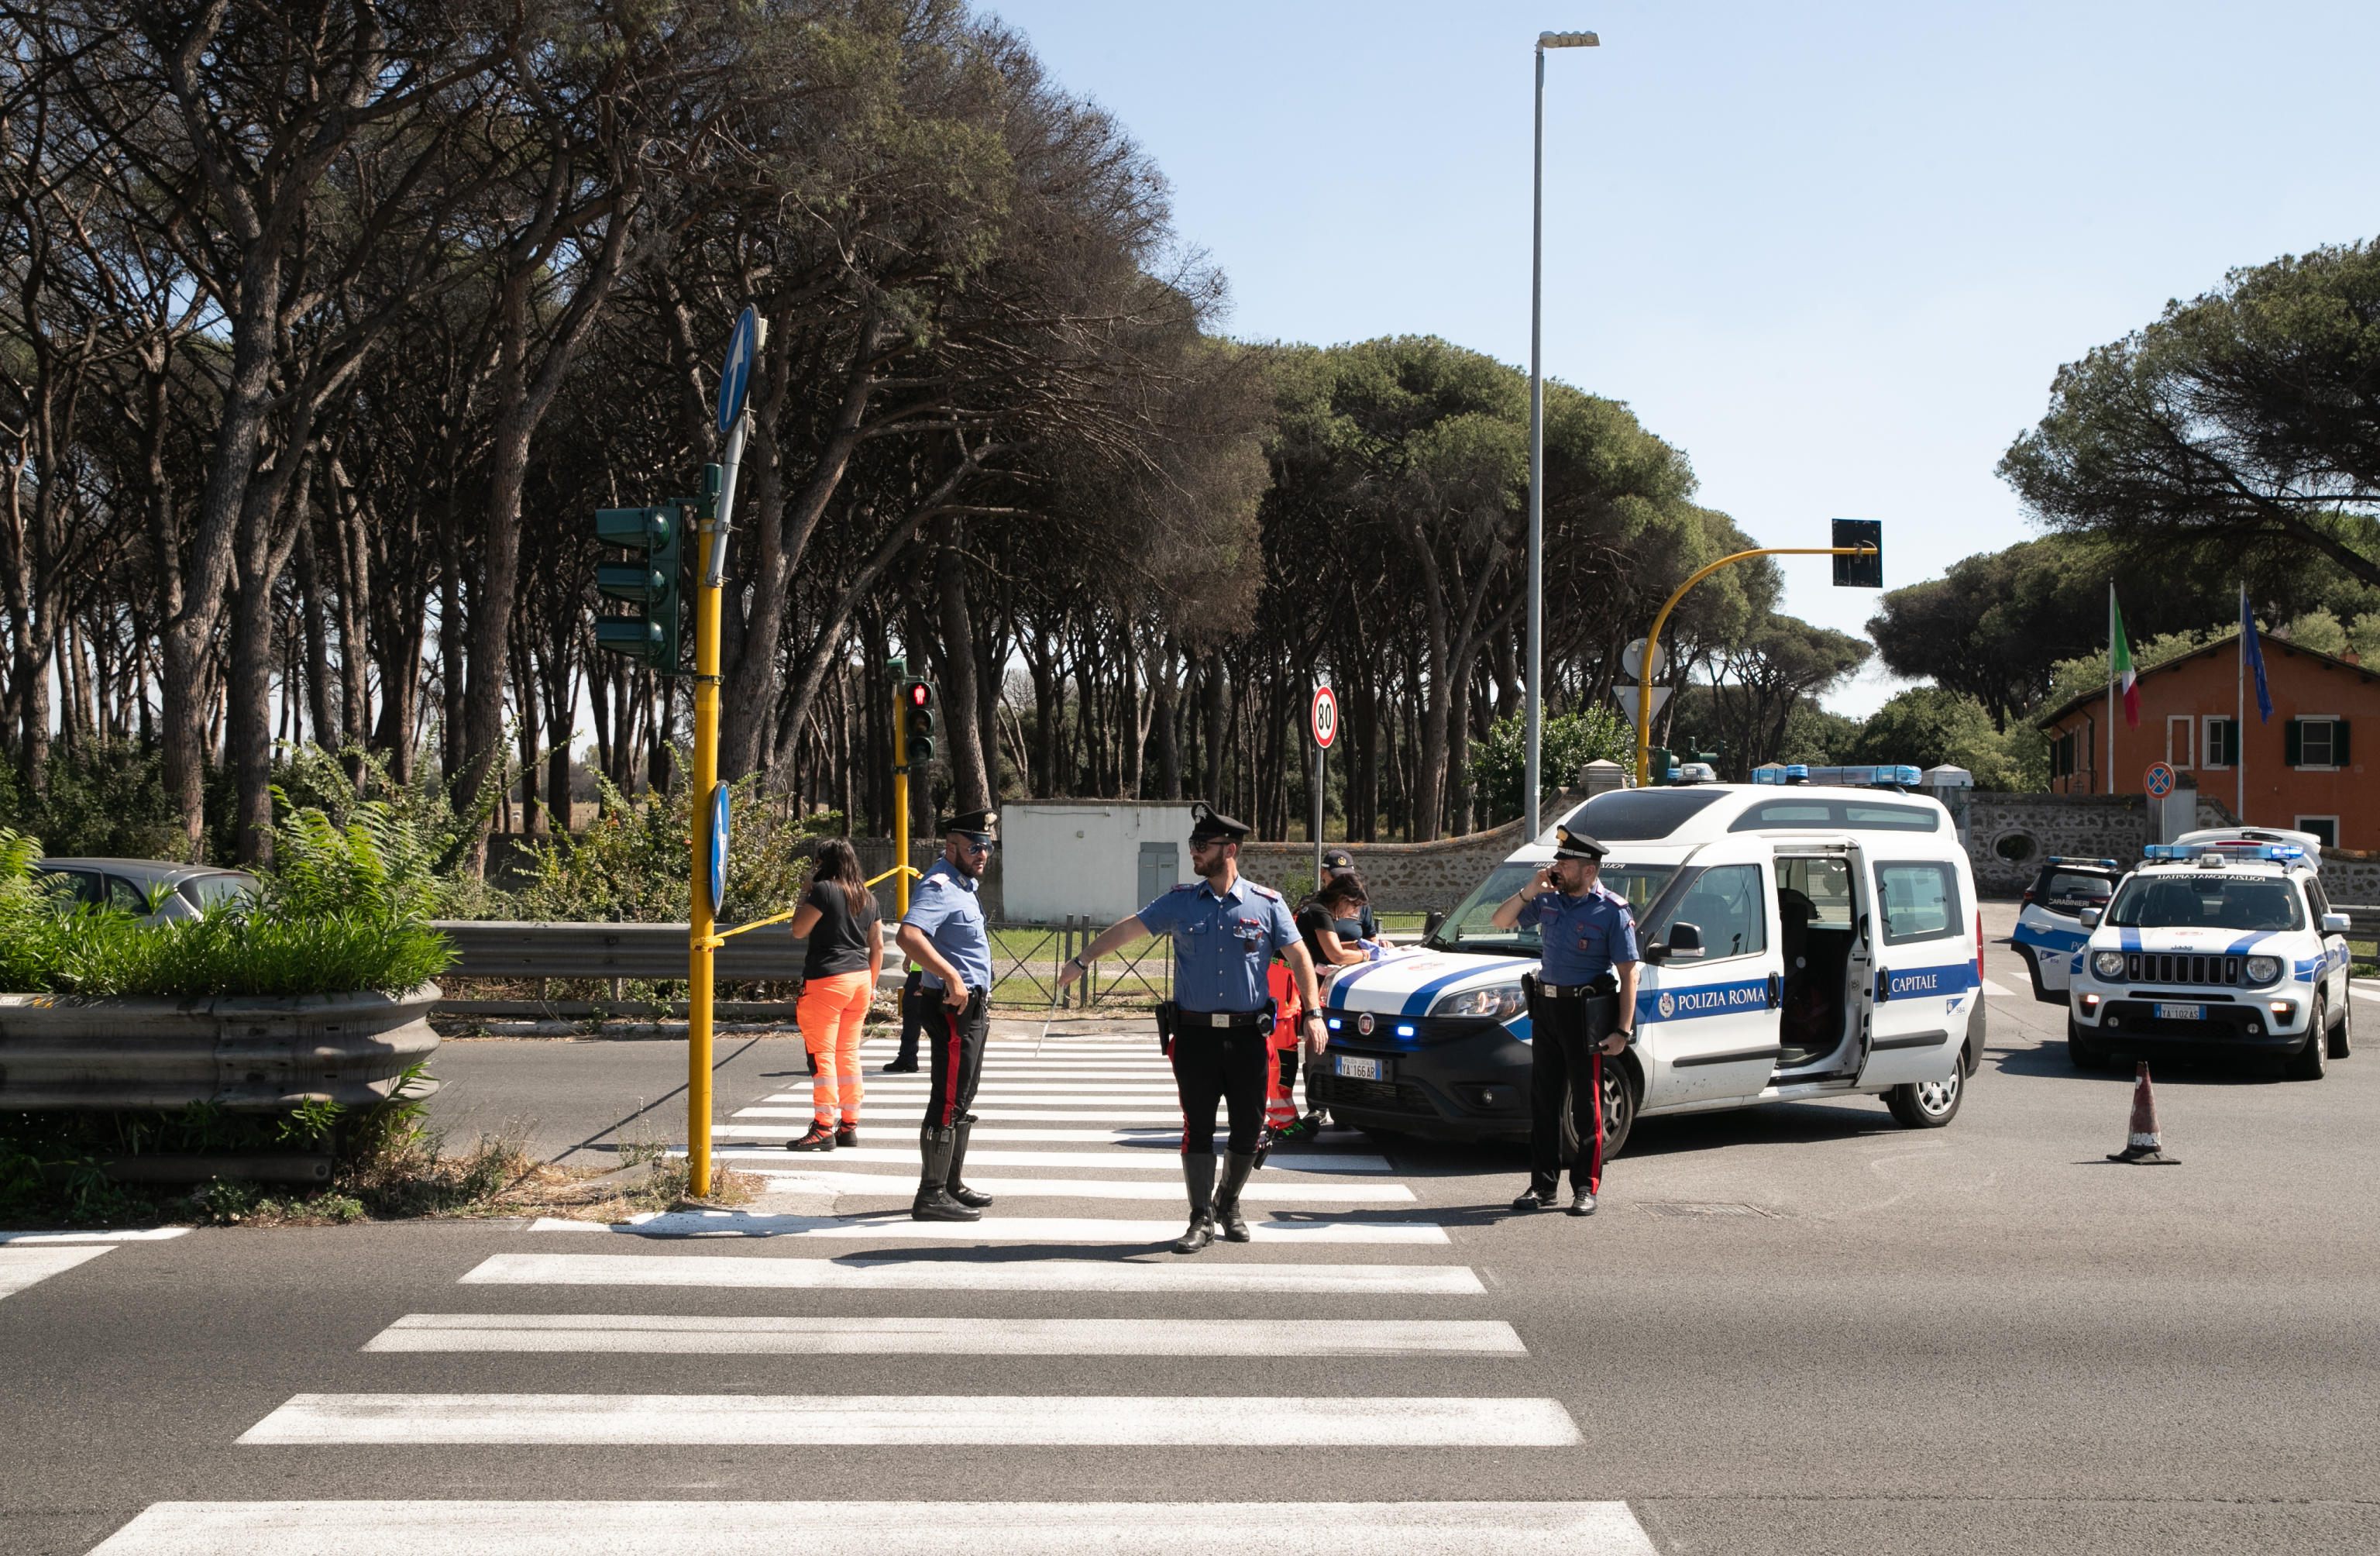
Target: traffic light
[
  {"x": 1860, "y": 572},
  {"x": 919, "y": 723},
  {"x": 649, "y": 582}
]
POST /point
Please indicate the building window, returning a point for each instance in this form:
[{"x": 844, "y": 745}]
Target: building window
[
  {"x": 2323, "y": 827},
  {"x": 2315, "y": 742},
  {"x": 2222, "y": 743},
  {"x": 2178, "y": 741}
]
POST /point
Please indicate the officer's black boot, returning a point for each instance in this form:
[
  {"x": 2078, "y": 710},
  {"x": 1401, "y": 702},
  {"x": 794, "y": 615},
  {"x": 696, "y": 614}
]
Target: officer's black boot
[
  {"x": 1199, "y": 1175},
  {"x": 934, "y": 1201},
  {"x": 959, "y": 1190},
  {"x": 1237, "y": 1165}
]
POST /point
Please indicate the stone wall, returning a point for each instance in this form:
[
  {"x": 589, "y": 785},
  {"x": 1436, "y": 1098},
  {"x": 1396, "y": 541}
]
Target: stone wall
[
  {"x": 1408, "y": 877},
  {"x": 2113, "y": 827}
]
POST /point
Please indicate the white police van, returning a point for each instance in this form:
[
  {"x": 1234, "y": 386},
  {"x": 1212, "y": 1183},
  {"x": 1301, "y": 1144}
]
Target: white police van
[
  {"x": 2224, "y": 947},
  {"x": 2050, "y": 932},
  {"x": 1798, "y": 942}
]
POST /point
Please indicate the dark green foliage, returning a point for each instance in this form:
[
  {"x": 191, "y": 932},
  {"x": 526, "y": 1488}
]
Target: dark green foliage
[
  {"x": 1568, "y": 742},
  {"x": 110, "y": 803}
]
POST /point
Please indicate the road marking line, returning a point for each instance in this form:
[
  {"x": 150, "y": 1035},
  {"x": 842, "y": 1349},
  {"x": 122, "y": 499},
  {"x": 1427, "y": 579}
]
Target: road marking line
[
  {"x": 748, "y": 1272},
  {"x": 1168, "y": 1161},
  {"x": 1272, "y": 1190},
  {"x": 2001, "y": 991},
  {"x": 991, "y": 1229},
  {"x": 756, "y": 1528},
  {"x": 20, "y": 1268},
  {"x": 676, "y": 1333},
  {"x": 919, "y": 1420},
  {"x": 139, "y": 1235}
]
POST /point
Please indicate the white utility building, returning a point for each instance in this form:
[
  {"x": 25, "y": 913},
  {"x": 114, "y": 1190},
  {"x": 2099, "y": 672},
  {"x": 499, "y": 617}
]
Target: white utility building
[{"x": 1096, "y": 859}]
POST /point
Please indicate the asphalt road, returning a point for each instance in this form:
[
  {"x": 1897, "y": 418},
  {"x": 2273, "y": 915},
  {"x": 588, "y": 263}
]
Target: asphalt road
[{"x": 1794, "y": 1329}]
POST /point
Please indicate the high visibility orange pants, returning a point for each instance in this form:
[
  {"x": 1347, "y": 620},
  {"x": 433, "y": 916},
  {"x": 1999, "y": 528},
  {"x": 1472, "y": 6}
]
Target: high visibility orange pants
[
  {"x": 830, "y": 1013},
  {"x": 1280, "y": 1074}
]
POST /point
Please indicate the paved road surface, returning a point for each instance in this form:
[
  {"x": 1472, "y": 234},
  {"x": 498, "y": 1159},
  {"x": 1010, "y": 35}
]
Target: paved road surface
[{"x": 1799, "y": 1328}]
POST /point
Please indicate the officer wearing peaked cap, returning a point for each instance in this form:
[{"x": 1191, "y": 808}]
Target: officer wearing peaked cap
[
  {"x": 1582, "y": 1008},
  {"x": 1217, "y": 1028},
  {"x": 944, "y": 934}
]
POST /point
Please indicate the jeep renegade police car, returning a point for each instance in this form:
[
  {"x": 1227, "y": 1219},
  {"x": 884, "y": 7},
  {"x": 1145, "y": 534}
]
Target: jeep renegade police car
[
  {"x": 2227, "y": 947},
  {"x": 1798, "y": 942}
]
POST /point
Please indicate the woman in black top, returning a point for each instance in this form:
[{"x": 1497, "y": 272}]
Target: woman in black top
[
  {"x": 1326, "y": 923},
  {"x": 839, "y": 970}
]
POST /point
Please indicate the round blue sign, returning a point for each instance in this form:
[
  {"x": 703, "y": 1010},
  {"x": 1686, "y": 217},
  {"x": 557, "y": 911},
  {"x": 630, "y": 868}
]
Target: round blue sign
[
  {"x": 743, "y": 344},
  {"x": 718, "y": 872}
]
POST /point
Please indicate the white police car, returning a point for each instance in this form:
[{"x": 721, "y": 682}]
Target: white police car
[
  {"x": 1798, "y": 942},
  {"x": 2049, "y": 930},
  {"x": 2218, "y": 948}
]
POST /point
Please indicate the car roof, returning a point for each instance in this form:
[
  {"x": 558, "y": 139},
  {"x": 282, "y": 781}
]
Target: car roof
[
  {"x": 155, "y": 870},
  {"x": 1717, "y": 818}
]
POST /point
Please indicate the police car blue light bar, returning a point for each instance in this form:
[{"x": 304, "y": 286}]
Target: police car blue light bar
[
  {"x": 1797, "y": 772},
  {"x": 2170, "y": 851}
]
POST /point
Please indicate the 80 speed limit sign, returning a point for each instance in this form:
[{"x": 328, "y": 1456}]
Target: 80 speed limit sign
[{"x": 1326, "y": 717}]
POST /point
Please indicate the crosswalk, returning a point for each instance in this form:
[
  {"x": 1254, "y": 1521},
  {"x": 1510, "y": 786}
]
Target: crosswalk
[{"x": 1068, "y": 1270}]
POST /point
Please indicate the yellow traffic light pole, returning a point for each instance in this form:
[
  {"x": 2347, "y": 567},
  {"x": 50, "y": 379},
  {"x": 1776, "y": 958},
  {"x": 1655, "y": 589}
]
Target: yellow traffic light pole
[
  {"x": 900, "y": 871},
  {"x": 701, "y": 941},
  {"x": 1653, "y": 638}
]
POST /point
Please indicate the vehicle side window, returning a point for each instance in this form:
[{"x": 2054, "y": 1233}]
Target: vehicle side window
[
  {"x": 2316, "y": 900},
  {"x": 1920, "y": 900},
  {"x": 1726, "y": 904},
  {"x": 124, "y": 895},
  {"x": 74, "y": 887}
]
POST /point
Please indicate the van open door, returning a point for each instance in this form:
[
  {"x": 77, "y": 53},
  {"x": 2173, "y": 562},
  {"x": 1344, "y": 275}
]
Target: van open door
[
  {"x": 1823, "y": 909},
  {"x": 1926, "y": 981}
]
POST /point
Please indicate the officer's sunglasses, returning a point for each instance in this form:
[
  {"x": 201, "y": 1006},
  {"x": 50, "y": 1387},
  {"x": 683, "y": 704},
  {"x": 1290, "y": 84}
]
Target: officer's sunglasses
[
  {"x": 1205, "y": 844},
  {"x": 977, "y": 847}
]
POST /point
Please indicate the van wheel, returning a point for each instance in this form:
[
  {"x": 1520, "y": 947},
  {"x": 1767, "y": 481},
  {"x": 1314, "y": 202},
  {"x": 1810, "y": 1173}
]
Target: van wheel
[
  {"x": 2340, "y": 1045},
  {"x": 2083, "y": 1050},
  {"x": 2309, "y": 1062},
  {"x": 1928, "y": 1104},
  {"x": 1619, "y": 1113}
]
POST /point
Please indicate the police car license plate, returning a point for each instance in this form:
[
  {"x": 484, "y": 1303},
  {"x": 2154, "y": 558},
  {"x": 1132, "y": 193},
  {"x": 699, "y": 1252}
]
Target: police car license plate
[
  {"x": 2181, "y": 1013},
  {"x": 1359, "y": 1069}
]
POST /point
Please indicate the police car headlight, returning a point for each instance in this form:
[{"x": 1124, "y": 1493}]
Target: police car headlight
[
  {"x": 1501, "y": 1001},
  {"x": 2260, "y": 969},
  {"x": 2108, "y": 964}
]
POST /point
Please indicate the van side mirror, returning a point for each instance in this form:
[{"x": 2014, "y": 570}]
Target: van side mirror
[
  {"x": 1430, "y": 925},
  {"x": 2337, "y": 923},
  {"x": 1685, "y": 943},
  {"x": 2091, "y": 917}
]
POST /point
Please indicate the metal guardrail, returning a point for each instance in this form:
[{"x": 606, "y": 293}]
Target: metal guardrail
[{"x": 2363, "y": 920}]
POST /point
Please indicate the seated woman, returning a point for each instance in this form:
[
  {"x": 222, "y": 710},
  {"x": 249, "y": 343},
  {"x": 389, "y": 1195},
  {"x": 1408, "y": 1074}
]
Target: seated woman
[{"x": 1329, "y": 923}]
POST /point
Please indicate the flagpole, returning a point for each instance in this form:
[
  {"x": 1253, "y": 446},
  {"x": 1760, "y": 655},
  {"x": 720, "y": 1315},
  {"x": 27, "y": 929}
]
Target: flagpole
[
  {"x": 2240, "y": 766},
  {"x": 2111, "y": 687}
]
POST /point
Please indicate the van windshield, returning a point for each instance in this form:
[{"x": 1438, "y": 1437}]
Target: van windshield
[
  {"x": 1468, "y": 927},
  {"x": 2207, "y": 902},
  {"x": 1639, "y": 815}
]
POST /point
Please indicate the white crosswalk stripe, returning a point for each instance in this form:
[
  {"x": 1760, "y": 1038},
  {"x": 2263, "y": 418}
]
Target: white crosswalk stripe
[
  {"x": 914, "y": 1420},
  {"x": 1065, "y": 1125},
  {"x": 684, "y": 1335},
  {"x": 995, "y": 1528},
  {"x": 20, "y": 1268}
]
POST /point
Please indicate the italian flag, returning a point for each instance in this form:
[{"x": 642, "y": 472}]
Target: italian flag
[{"x": 2119, "y": 662}]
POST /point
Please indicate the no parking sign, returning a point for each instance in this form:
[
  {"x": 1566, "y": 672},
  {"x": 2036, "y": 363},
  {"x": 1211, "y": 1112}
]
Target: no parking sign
[{"x": 2159, "y": 781}]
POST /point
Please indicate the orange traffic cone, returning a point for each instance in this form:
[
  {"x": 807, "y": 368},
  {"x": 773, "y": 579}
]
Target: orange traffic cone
[{"x": 2142, "y": 1149}]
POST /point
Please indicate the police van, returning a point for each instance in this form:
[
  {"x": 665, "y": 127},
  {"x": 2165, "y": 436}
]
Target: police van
[
  {"x": 2049, "y": 925},
  {"x": 2216, "y": 948},
  {"x": 1798, "y": 942}
]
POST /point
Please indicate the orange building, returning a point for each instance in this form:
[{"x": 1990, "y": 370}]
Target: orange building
[{"x": 2304, "y": 769}]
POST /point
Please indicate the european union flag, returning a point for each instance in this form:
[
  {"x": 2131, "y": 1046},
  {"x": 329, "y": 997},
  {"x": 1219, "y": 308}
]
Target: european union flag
[{"x": 2252, "y": 653}]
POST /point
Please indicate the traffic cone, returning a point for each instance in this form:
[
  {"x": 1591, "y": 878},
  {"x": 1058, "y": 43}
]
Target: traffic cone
[{"x": 2142, "y": 1149}]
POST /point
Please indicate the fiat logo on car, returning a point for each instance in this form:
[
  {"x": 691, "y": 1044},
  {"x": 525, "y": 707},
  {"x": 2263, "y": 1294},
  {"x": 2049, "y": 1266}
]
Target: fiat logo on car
[{"x": 1364, "y": 1023}]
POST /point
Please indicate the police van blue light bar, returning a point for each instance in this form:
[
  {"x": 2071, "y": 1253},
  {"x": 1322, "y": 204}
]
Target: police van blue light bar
[
  {"x": 1773, "y": 775},
  {"x": 2171, "y": 851}
]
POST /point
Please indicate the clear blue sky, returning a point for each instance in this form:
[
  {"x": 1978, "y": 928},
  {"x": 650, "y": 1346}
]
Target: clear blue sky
[{"x": 1835, "y": 253}]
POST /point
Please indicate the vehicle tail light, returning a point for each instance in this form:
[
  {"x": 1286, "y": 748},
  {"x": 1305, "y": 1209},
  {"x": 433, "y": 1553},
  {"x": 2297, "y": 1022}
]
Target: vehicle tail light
[{"x": 1979, "y": 944}]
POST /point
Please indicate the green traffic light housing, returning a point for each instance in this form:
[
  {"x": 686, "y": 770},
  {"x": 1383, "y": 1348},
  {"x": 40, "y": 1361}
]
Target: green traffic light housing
[
  {"x": 919, "y": 723},
  {"x": 649, "y": 635}
]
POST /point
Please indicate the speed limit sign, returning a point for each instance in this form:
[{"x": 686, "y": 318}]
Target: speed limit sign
[{"x": 1326, "y": 717}]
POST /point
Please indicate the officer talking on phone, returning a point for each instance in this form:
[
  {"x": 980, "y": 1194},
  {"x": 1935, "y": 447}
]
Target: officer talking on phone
[{"x": 1581, "y": 1007}]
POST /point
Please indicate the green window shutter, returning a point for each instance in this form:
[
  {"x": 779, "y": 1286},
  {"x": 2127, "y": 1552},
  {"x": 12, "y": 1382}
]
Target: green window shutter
[
  {"x": 2292, "y": 743},
  {"x": 2230, "y": 742},
  {"x": 2339, "y": 742}
]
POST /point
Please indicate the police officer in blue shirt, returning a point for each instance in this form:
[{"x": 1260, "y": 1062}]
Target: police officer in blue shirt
[
  {"x": 1216, "y": 1026},
  {"x": 1587, "y": 942},
  {"x": 943, "y": 933}
]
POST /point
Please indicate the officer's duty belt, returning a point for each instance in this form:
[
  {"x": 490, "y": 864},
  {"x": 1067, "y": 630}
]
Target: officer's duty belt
[
  {"x": 1234, "y": 1018},
  {"x": 1567, "y": 990}
]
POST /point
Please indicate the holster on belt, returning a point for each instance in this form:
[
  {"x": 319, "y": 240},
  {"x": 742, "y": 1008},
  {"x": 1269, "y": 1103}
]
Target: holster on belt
[
  {"x": 1529, "y": 992},
  {"x": 1167, "y": 1013}
]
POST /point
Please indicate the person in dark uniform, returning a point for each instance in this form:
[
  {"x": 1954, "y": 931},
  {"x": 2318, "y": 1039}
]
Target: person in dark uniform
[
  {"x": 1217, "y": 1028},
  {"x": 1587, "y": 950},
  {"x": 944, "y": 934}
]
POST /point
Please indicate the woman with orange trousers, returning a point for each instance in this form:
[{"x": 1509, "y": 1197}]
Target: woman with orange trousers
[{"x": 838, "y": 919}]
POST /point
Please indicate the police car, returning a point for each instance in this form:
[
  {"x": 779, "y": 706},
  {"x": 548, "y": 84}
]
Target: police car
[
  {"x": 1798, "y": 942},
  {"x": 2049, "y": 926},
  {"x": 2224, "y": 947}
]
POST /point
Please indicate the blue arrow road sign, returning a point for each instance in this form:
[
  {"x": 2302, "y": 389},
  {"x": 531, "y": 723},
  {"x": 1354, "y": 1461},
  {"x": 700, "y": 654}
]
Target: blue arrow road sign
[
  {"x": 743, "y": 344},
  {"x": 718, "y": 846}
]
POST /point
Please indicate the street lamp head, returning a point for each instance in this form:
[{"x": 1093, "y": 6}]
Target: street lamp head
[{"x": 1568, "y": 41}]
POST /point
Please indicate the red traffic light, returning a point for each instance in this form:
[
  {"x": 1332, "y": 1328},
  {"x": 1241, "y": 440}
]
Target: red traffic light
[{"x": 921, "y": 695}]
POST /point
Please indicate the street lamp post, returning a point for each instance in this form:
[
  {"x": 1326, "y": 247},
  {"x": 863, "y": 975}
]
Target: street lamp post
[{"x": 1533, "y": 704}]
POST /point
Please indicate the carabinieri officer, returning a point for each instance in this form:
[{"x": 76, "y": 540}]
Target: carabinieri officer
[
  {"x": 944, "y": 934},
  {"x": 1586, "y": 943},
  {"x": 1216, "y": 1028}
]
